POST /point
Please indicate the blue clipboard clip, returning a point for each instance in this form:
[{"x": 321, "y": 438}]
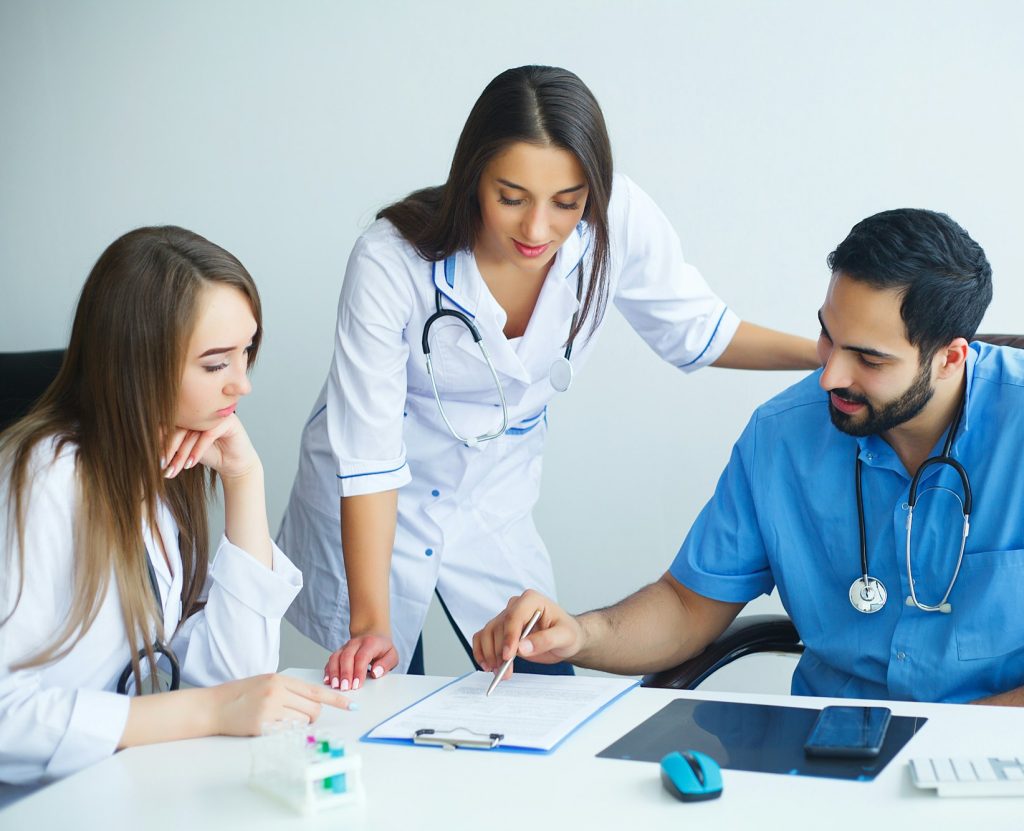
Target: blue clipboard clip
[{"x": 457, "y": 737}]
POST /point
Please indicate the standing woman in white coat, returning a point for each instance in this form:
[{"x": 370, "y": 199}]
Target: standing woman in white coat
[
  {"x": 503, "y": 273},
  {"x": 104, "y": 560}
]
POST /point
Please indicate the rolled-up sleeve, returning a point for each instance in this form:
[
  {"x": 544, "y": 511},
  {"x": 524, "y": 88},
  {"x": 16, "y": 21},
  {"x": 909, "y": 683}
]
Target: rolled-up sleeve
[
  {"x": 238, "y": 632},
  {"x": 367, "y": 386},
  {"x": 664, "y": 298},
  {"x": 724, "y": 556},
  {"x": 46, "y": 733}
]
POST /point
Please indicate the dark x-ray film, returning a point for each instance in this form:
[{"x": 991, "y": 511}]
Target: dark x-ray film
[{"x": 757, "y": 737}]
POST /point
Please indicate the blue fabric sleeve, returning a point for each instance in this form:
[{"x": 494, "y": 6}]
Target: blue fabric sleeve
[{"x": 724, "y": 556}]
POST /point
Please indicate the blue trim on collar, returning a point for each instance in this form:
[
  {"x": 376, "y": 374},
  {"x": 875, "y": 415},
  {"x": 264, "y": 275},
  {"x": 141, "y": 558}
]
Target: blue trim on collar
[
  {"x": 454, "y": 302},
  {"x": 449, "y": 270},
  {"x": 579, "y": 232}
]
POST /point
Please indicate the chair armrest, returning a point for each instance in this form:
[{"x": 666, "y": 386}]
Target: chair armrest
[{"x": 746, "y": 635}]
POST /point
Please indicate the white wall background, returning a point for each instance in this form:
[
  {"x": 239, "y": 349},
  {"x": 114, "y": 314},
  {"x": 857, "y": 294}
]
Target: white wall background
[{"x": 764, "y": 131}]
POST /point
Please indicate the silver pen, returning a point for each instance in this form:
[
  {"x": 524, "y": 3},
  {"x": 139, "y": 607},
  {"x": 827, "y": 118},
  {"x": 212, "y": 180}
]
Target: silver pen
[{"x": 504, "y": 667}]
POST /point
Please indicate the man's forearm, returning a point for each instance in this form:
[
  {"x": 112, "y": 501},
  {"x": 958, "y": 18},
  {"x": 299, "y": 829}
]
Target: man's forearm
[{"x": 653, "y": 629}]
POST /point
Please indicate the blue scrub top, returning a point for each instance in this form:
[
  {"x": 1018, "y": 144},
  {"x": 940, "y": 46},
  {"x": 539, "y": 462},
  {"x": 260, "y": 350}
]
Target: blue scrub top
[{"x": 784, "y": 514}]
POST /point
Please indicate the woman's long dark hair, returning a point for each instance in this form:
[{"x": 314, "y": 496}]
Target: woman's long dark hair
[{"x": 541, "y": 105}]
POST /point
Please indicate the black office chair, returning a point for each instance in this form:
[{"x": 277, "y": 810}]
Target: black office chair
[
  {"x": 756, "y": 633},
  {"x": 24, "y": 376}
]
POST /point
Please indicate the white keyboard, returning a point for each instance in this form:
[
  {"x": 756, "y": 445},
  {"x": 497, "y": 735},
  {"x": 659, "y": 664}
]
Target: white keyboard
[{"x": 975, "y": 776}]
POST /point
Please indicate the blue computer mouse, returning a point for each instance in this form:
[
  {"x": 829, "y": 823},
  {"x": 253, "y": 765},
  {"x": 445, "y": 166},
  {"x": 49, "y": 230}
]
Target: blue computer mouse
[{"x": 691, "y": 776}]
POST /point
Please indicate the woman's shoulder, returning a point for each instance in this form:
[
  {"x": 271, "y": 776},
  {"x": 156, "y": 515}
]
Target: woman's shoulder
[
  {"x": 628, "y": 200},
  {"x": 380, "y": 257},
  {"x": 383, "y": 242},
  {"x": 49, "y": 495},
  {"x": 51, "y": 468}
]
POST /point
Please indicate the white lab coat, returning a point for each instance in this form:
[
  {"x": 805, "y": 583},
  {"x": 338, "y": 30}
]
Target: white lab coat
[
  {"x": 464, "y": 513},
  {"x": 58, "y": 718}
]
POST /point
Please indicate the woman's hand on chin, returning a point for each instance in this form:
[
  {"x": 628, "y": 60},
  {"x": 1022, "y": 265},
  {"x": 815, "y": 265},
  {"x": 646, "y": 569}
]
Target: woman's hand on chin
[{"x": 225, "y": 448}]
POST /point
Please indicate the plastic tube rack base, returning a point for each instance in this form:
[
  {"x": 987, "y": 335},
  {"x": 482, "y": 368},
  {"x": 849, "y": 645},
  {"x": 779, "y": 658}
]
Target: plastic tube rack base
[{"x": 308, "y": 770}]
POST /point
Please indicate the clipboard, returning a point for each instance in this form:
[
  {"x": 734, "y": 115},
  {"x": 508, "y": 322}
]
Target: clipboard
[
  {"x": 457, "y": 737},
  {"x": 526, "y": 714}
]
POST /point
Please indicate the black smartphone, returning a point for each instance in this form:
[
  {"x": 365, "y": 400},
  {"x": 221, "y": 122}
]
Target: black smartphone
[{"x": 848, "y": 732}]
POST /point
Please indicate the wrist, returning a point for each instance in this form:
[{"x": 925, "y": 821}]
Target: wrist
[
  {"x": 211, "y": 719},
  {"x": 371, "y": 625},
  {"x": 369, "y": 612},
  {"x": 251, "y": 472},
  {"x": 584, "y": 637}
]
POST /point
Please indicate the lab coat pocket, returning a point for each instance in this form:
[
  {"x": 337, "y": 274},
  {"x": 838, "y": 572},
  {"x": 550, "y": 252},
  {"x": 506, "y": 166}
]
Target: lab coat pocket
[{"x": 987, "y": 605}]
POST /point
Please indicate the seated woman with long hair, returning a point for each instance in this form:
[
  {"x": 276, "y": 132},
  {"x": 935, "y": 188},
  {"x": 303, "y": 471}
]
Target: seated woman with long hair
[{"x": 104, "y": 555}]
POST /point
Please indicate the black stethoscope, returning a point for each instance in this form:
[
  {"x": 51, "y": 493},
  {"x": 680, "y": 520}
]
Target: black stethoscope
[
  {"x": 867, "y": 593},
  {"x": 560, "y": 373},
  {"x": 159, "y": 646}
]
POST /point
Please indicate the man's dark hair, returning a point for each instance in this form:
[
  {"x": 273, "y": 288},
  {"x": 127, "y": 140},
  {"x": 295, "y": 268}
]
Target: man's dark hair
[{"x": 942, "y": 273}]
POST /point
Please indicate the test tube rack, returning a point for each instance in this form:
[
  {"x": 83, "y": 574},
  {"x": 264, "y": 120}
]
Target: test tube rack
[{"x": 307, "y": 770}]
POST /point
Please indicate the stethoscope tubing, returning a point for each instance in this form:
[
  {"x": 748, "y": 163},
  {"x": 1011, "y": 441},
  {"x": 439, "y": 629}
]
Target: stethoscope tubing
[
  {"x": 159, "y": 646},
  {"x": 966, "y": 504},
  {"x": 564, "y": 372}
]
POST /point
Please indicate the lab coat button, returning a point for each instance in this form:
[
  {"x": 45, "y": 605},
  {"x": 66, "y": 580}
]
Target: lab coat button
[
  {"x": 429, "y": 552},
  {"x": 435, "y": 492}
]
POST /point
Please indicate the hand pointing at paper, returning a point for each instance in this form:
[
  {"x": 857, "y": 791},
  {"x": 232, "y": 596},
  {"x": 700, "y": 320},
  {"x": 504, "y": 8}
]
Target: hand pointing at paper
[
  {"x": 557, "y": 635},
  {"x": 655, "y": 628}
]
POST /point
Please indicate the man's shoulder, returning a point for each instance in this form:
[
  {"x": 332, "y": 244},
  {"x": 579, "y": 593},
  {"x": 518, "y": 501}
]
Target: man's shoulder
[
  {"x": 1002, "y": 365},
  {"x": 803, "y": 402}
]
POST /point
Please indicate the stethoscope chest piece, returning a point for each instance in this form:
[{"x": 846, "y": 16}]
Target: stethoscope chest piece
[
  {"x": 867, "y": 594},
  {"x": 561, "y": 374}
]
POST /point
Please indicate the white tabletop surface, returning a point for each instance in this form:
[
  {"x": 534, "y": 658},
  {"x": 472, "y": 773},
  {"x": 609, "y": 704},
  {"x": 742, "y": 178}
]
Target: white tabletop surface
[{"x": 202, "y": 784}]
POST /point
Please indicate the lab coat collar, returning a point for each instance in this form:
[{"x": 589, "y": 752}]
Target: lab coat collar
[
  {"x": 461, "y": 284},
  {"x": 459, "y": 281},
  {"x": 570, "y": 256},
  {"x": 549, "y": 327},
  {"x": 168, "y": 581},
  {"x": 454, "y": 280}
]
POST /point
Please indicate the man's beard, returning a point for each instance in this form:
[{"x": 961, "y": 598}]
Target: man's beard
[{"x": 892, "y": 414}]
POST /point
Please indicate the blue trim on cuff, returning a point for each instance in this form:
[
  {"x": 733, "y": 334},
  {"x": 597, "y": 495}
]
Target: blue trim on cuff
[
  {"x": 312, "y": 418},
  {"x": 371, "y": 473},
  {"x": 710, "y": 341}
]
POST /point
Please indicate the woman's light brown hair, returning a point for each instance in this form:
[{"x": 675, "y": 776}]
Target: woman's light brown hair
[{"x": 114, "y": 399}]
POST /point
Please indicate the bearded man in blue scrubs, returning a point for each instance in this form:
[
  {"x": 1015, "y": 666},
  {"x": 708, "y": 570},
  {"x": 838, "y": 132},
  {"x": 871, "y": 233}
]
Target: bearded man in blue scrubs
[{"x": 908, "y": 291}]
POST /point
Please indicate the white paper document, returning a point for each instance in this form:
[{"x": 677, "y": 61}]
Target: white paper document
[{"x": 532, "y": 712}]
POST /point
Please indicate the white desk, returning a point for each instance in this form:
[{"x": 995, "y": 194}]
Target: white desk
[{"x": 201, "y": 784}]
